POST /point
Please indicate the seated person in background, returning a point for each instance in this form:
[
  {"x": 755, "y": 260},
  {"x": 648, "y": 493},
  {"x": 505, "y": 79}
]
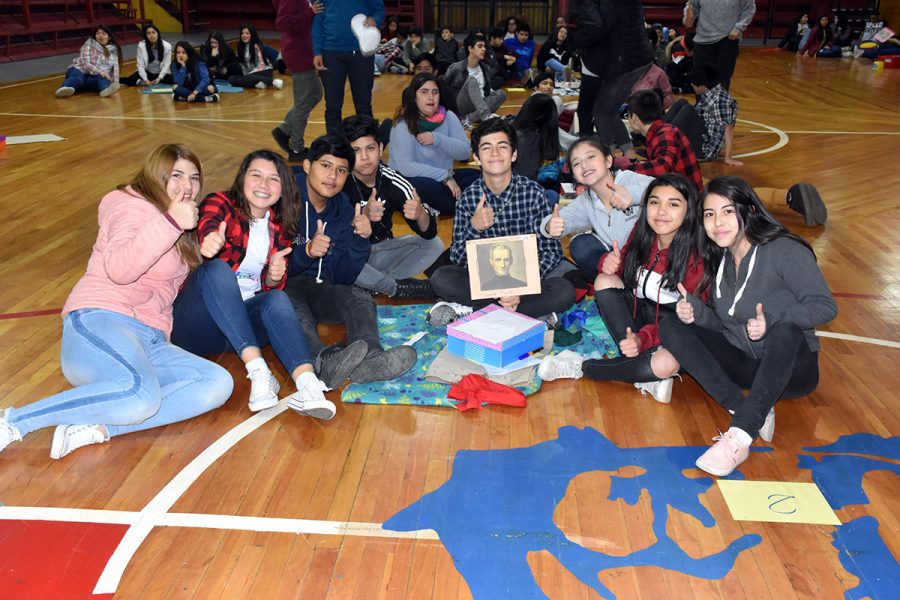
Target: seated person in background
[
  {"x": 681, "y": 63},
  {"x": 154, "y": 60},
  {"x": 556, "y": 53},
  {"x": 389, "y": 55},
  {"x": 820, "y": 36},
  {"x": 381, "y": 191},
  {"x": 220, "y": 59},
  {"x": 718, "y": 110},
  {"x": 523, "y": 47},
  {"x": 873, "y": 26},
  {"x": 426, "y": 64},
  {"x": 425, "y": 141},
  {"x": 504, "y": 60},
  {"x": 445, "y": 48},
  {"x": 330, "y": 250},
  {"x": 668, "y": 150},
  {"x": 470, "y": 80},
  {"x": 537, "y": 133},
  {"x": 414, "y": 46},
  {"x": 499, "y": 204},
  {"x": 795, "y": 33},
  {"x": 656, "y": 79},
  {"x": 191, "y": 80},
  {"x": 256, "y": 70},
  {"x": 543, "y": 84}
]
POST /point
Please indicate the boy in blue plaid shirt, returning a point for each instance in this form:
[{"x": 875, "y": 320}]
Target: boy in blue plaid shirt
[
  {"x": 719, "y": 113},
  {"x": 500, "y": 204}
]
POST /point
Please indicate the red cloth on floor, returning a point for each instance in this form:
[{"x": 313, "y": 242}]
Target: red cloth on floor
[{"x": 473, "y": 390}]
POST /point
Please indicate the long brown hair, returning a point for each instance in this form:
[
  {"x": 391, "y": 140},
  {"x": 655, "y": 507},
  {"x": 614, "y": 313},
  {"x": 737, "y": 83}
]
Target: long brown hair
[
  {"x": 113, "y": 41},
  {"x": 150, "y": 182},
  {"x": 409, "y": 110},
  {"x": 287, "y": 209}
]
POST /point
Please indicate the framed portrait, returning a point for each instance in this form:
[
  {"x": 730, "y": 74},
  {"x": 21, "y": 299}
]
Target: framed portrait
[{"x": 503, "y": 266}]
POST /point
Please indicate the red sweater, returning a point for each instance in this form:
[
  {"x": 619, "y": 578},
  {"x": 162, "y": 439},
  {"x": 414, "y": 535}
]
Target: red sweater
[
  {"x": 294, "y": 19},
  {"x": 649, "y": 334}
]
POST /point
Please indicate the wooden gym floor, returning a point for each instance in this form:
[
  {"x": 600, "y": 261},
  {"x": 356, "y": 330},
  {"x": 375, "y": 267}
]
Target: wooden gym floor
[{"x": 293, "y": 509}]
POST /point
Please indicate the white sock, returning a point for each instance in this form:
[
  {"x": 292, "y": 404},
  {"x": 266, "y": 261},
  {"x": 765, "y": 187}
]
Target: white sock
[
  {"x": 257, "y": 364},
  {"x": 743, "y": 438},
  {"x": 306, "y": 378}
]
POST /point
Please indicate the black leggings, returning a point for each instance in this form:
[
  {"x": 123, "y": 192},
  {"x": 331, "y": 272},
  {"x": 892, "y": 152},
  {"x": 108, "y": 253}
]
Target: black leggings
[{"x": 787, "y": 368}]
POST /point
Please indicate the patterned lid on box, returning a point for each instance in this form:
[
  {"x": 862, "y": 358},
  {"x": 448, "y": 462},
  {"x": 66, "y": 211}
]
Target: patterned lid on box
[{"x": 494, "y": 327}]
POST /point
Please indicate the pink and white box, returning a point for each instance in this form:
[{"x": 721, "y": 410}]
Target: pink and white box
[{"x": 495, "y": 336}]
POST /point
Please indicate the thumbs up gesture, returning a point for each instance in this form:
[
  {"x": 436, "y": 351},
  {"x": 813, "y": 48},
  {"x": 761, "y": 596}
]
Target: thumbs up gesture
[
  {"x": 613, "y": 260},
  {"x": 483, "y": 218},
  {"x": 213, "y": 242},
  {"x": 756, "y": 327},
  {"x": 683, "y": 307},
  {"x": 374, "y": 207},
  {"x": 277, "y": 266},
  {"x": 412, "y": 208},
  {"x": 184, "y": 211},
  {"x": 631, "y": 345},
  {"x": 621, "y": 197},
  {"x": 319, "y": 245},
  {"x": 556, "y": 226},
  {"x": 362, "y": 226}
]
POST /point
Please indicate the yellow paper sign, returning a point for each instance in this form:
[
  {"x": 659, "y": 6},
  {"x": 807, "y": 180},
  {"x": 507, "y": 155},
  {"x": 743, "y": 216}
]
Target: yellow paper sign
[{"x": 777, "y": 502}]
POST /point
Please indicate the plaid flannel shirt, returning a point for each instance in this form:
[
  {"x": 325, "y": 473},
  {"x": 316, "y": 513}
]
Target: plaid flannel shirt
[
  {"x": 518, "y": 210},
  {"x": 218, "y": 207},
  {"x": 717, "y": 109},
  {"x": 668, "y": 151},
  {"x": 93, "y": 61}
]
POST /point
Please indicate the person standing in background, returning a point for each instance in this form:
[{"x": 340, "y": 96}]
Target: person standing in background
[
  {"x": 720, "y": 25},
  {"x": 337, "y": 56},
  {"x": 294, "y": 19}
]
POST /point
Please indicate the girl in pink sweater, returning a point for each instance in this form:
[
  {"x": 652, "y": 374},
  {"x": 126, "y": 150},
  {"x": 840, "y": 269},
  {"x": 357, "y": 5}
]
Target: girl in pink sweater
[{"x": 117, "y": 320}]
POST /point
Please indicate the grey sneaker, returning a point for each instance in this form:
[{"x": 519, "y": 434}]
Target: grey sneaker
[
  {"x": 309, "y": 401},
  {"x": 767, "y": 431},
  {"x": 68, "y": 438},
  {"x": 551, "y": 320},
  {"x": 263, "y": 389},
  {"x": 443, "y": 313},
  {"x": 335, "y": 363},
  {"x": 381, "y": 365},
  {"x": 660, "y": 390},
  {"x": 565, "y": 365},
  {"x": 64, "y": 92},
  {"x": 109, "y": 90}
]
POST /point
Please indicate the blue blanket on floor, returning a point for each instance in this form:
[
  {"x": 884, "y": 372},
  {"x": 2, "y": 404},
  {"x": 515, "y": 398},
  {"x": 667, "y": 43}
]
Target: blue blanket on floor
[{"x": 397, "y": 324}]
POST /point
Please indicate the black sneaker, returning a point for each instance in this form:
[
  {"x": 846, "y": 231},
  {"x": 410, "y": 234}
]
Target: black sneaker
[
  {"x": 335, "y": 363},
  {"x": 805, "y": 199},
  {"x": 296, "y": 157},
  {"x": 381, "y": 365},
  {"x": 282, "y": 139},
  {"x": 413, "y": 288}
]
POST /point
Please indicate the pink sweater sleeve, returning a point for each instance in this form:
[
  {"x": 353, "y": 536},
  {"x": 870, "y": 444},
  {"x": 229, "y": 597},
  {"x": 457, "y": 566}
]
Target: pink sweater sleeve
[{"x": 135, "y": 242}]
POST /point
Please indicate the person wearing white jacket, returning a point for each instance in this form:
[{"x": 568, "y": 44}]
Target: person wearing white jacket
[{"x": 154, "y": 60}]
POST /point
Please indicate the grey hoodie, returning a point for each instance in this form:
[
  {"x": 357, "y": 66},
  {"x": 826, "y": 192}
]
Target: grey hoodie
[{"x": 784, "y": 277}]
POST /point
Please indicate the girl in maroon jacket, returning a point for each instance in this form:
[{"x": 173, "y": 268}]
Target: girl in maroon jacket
[{"x": 637, "y": 286}]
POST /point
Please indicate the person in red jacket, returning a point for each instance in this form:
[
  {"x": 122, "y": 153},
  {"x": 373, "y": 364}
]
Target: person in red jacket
[
  {"x": 668, "y": 150},
  {"x": 638, "y": 286},
  {"x": 293, "y": 19}
]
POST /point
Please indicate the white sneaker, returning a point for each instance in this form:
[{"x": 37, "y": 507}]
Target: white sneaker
[
  {"x": 443, "y": 313},
  {"x": 68, "y": 438},
  {"x": 767, "y": 431},
  {"x": 109, "y": 90},
  {"x": 263, "y": 389},
  {"x": 64, "y": 92},
  {"x": 565, "y": 365},
  {"x": 660, "y": 390},
  {"x": 278, "y": 83},
  {"x": 309, "y": 400},
  {"x": 261, "y": 85},
  {"x": 8, "y": 433}
]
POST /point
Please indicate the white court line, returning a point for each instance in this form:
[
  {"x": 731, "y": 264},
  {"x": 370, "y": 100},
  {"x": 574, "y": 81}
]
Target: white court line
[
  {"x": 137, "y": 118},
  {"x": 153, "y": 513},
  {"x": 832, "y": 132},
  {"x": 783, "y": 139},
  {"x": 207, "y": 521},
  {"x": 856, "y": 338}
]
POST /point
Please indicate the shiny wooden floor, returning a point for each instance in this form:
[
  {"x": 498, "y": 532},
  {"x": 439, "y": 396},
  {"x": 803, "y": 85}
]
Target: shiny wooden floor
[{"x": 839, "y": 123}]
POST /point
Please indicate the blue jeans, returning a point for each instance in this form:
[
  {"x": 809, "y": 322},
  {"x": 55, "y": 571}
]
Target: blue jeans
[
  {"x": 558, "y": 68},
  {"x": 82, "y": 82},
  {"x": 438, "y": 195},
  {"x": 211, "y": 317},
  {"x": 126, "y": 377},
  {"x": 586, "y": 251},
  {"x": 397, "y": 258},
  {"x": 339, "y": 67}
]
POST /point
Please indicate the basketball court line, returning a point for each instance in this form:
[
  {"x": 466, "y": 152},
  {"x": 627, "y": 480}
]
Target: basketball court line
[{"x": 829, "y": 132}]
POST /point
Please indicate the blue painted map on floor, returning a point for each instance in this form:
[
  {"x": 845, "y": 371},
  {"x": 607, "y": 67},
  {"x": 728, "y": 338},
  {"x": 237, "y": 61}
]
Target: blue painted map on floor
[
  {"x": 839, "y": 474},
  {"x": 498, "y": 506}
]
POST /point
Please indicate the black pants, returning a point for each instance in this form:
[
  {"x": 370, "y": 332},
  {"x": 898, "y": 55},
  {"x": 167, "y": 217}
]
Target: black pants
[
  {"x": 587, "y": 95},
  {"x": 722, "y": 55},
  {"x": 452, "y": 283},
  {"x": 339, "y": 67},
  {"x": 684, "y": 116},
  {"x": 135, "y": 78},
  {"x": 251, "y": 79},
  {"x": 329, "y": 303},
  {"x": 787, "y": 369}
]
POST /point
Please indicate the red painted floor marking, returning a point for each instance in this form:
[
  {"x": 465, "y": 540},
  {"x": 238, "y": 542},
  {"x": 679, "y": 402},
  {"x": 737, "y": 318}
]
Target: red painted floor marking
[
  {"x": 53, "y": 559},
  {"x": 857, "y": 296},
  {"x": 31, "y": 313}
]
